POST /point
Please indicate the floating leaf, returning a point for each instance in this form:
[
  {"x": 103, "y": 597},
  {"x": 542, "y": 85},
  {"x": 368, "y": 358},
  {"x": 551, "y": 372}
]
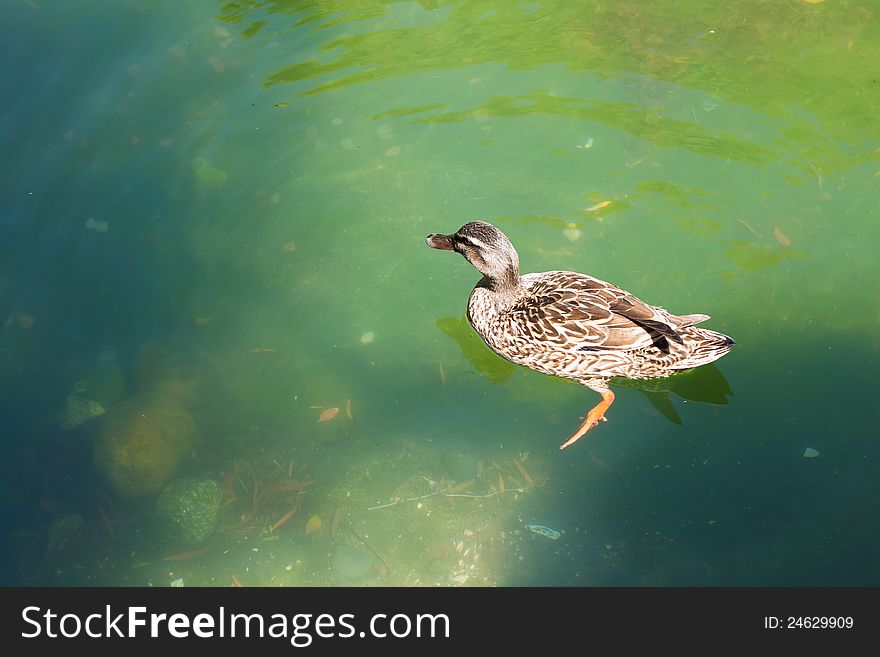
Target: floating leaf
[
  {"x": 781, "y": 237},
  {"x": 313, "y": 525},
  {"x": 598, "y": 206},
  {"x": 328, "y": 414}
]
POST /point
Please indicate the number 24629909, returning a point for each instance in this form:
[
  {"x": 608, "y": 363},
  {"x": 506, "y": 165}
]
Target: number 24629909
[{"x": 808, "y": 622}]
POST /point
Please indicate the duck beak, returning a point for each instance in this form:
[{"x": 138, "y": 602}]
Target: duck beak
[{"x": 438, "y": 241}]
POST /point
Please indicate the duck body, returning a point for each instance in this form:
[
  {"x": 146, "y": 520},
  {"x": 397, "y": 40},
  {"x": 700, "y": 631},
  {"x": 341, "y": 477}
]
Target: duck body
[
  {"x": 572, "y": 325},
  {"x": 579, "y": 327}
]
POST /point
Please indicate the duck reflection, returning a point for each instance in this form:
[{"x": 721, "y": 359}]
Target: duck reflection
[{"x": 704, "y": 385}]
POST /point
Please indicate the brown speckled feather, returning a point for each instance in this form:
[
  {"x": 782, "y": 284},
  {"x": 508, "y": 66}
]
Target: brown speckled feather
[
  {"x": 584, "y": 312},
  {"x": 579, "y": 327},
  {"x": 572, "y": 325}
]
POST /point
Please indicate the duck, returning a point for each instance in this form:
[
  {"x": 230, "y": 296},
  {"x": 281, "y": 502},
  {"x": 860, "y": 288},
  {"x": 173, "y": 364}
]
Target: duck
[{"x": 572, "y": 325}]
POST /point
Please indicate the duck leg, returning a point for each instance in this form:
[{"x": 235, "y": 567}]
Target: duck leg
[{"x": 596, "y": 414}]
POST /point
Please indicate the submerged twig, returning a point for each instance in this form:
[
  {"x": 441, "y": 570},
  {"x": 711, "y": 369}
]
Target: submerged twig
[
  {"x": 444, "y": 493},
  {"x": 497, "y": 492},
  {"x": 408, "y": 499}
]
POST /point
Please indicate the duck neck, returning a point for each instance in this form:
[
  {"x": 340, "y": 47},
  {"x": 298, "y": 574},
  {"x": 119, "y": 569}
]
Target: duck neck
[{"x": 507, "y": 288}]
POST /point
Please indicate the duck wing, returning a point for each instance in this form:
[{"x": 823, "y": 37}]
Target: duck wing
[{"x": 584, "y": 313}]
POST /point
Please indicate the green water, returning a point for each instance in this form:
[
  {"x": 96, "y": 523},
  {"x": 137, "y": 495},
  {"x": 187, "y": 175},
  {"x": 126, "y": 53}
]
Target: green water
[{"x": 227, "y": 203}]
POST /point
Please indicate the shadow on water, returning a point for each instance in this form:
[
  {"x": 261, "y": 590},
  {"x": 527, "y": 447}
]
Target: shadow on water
[
  {"x": 767, "y": 492},
  {"x": 736, "y": 499},
  {"x": 706, "y": 385}
]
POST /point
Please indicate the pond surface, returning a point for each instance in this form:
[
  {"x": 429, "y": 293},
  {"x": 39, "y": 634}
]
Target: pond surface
[{"x": 212, "y": 218}]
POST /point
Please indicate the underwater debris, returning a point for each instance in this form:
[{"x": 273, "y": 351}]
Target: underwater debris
[
  {"x": 781, "y": 237},
  {"x": 489, "y": 481},
  {"x": 187, "y": 555},
  {"x": 749, "y": 228},
  {"x": 571, "y": 233},
  {"x": 287, "y": 516},
  {"x": 524, "y": 472},
  {"x": 261, "y": 498},
  {"x": 97, "y": 226},
  {"x": 545, "y": 531}
]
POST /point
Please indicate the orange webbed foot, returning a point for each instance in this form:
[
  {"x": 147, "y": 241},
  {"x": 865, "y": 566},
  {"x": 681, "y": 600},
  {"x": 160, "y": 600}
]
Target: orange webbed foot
[{"x": 596, "y": 415}]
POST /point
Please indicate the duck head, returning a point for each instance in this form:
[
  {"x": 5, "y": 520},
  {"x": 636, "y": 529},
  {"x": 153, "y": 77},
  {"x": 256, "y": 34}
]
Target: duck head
[{"x": 485, "y": 247}]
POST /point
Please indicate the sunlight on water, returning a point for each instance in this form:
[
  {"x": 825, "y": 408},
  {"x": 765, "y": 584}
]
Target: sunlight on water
[{"x": 213, "y": 275}]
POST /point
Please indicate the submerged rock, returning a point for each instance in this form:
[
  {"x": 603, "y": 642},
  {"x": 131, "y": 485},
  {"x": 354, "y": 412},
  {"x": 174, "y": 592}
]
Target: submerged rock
[
  {"x": 78, "y": 409},
  {"x": 141, "y": 444},
  {"x": 92, "y": 396},
  {"x": 187, "y": 509}
]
